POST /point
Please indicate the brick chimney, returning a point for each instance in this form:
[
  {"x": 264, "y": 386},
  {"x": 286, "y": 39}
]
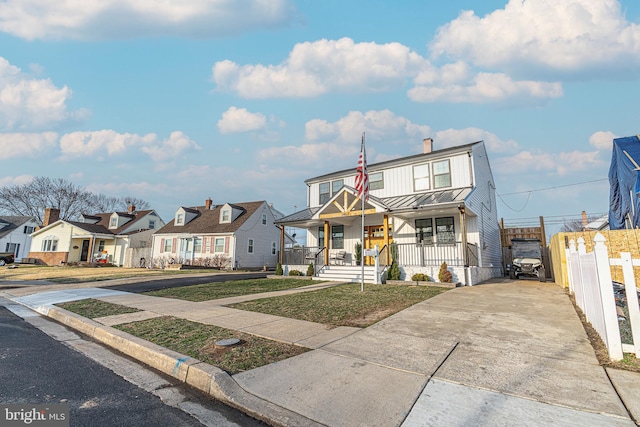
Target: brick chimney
[
  {"x": 208, "y": 203},
  {"x": 585, "y": 222},
  {"x": 427, "y": 145},
  {"x": 132, "y": 208},
  {"x": 51, "y": 215}
]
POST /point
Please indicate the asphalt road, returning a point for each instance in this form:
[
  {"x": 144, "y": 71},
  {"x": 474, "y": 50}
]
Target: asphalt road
[
  {"x": 38, "y": 369},
  {"x": 177, "y": 281}
]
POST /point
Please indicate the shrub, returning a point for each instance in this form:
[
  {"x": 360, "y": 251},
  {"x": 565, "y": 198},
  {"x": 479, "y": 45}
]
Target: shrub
[
  {"x": 295, "y": 273},
  {"x": 420, "y": 277},
  {"x": 279, "y": 271},
  {"x": 358, "y": 253},
  {"x": 394, "y": 272},
  {"x": 310, "y": 270},
  {"x": 445, "y": 275}
]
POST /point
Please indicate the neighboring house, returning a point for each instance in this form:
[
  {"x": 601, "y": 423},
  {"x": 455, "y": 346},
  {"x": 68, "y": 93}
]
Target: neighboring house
[
  {"x": 120, "y": 238},
  {"x": 230, "y": 235},
  {"x": 15, "y": 235},
  {"x": 624, "y": 203},
  {"x": 434, "y": 207}
]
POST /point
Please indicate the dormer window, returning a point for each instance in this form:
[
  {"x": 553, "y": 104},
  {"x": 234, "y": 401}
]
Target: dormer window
[
  {"x": 113, "y": 223},
  {"x": 226, "y": 215},
  {"x": 179, "y": 219}
]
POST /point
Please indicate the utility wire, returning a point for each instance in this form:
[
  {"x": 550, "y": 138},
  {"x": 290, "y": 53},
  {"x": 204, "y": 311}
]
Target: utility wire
[{"x": 553, "y": 188}]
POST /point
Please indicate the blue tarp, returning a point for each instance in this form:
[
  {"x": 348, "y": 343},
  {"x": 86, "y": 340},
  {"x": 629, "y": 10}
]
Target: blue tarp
[{"x": 624, "y": 202}]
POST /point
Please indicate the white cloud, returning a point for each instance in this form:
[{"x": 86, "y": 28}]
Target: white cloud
[
  {"x": 237, "y": 120},
  {"x": 16, "y": 180},
  {"x": 109, "y": 143},
  {"x": 486, "y": 88},
  {"x": 602, "y": 140},
  {"x": 81, "y": 19},
  {"x": 452, "y": 137},
  {"x": 315, "y": 68},
  {"x": 568, "y": 36},
  {"x": 28, "y": 103},
  {"x": 378, "y": 125},
  {"x": 167, "y": 149},
  {"x": 26, "y": 144},
  {"x": 563, "y": 163}
]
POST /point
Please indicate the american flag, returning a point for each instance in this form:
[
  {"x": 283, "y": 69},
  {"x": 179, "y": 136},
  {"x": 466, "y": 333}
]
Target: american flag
[{"x": 362, "y": 177}]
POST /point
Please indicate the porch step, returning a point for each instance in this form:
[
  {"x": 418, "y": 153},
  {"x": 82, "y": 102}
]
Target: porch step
[{"x": 347, "y": 273}]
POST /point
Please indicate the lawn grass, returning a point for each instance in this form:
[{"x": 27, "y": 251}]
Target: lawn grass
[
  {"x": 210, "y": 291},
  {"x": 93, "y": 308},
  {"x": 75, "y": 274},
  {"x": 344, "y": 305},
  {"x": 198, "y": 341}
]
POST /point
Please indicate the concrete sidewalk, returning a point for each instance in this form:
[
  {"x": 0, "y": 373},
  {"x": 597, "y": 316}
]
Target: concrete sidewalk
[{"x": 502, "y": 353}]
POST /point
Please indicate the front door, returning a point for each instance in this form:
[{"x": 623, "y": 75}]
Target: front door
[
  {"x": 84, "y": 254},
  {"x": 374, "y": 235}
]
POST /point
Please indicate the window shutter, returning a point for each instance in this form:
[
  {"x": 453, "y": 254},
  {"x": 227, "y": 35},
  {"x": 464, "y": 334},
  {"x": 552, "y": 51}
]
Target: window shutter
[
  {"x": 161, "y": 245},
  {"x": 226, "y": 245},
  {"x": 174, "y": 248}
]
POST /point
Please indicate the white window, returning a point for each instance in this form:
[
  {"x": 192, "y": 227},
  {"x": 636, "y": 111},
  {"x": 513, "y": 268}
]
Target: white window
[
  {"x": 264, "y": 219},
  {"x": 100, "y": 245},
  {"x": 114, "y": 222},
  {"x": 28, "y": 230},
  {"x": 375, "y": 181},
  {"x": 219, "y": 245},
  {"x": 250, "y": 246},
  {"x": 152, "y": 225},
  {"x": 50, "y": 245},
  {"x": 168, "y": 245},
  {"x": 421, "y": 177},
  {"x": 179, "y": 218},
  {"x": 441, "y": 174},
  {"x": 445, "y": 231},
  {"x": 325, "y": 192},
  {"x": 207, "y": 245},
  {"x": 336, "y": 186},
  {"x": 226, "y": 215},
  {"x": 273, "y": 248},
  {"x": 197, "y": 245}
]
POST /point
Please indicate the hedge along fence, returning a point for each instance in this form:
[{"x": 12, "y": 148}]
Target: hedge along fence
[{"x": 617, "y": 241}]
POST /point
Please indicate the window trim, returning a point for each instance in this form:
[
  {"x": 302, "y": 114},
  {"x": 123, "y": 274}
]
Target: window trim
[
  {"x": 453, "y": 230},
  {"x": 215, "y": 245},
  {"x": 264, "y": 219},
  {"x": 376, "y": 184},
  {"x": 251, "y": 246},
  {"x": 168, "y": 245},
  {"x": 337, "y": 242},
  {"x": 273, "y": 248},
  {"x": 179, "y": 219},
  {"x": 435, "y": 176},
  {"x": 327, "y": 193},
  {"x": 423, "y": 179}
]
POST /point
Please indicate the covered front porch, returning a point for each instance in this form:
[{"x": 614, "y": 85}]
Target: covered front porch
[{"x": 419, "y": 239}]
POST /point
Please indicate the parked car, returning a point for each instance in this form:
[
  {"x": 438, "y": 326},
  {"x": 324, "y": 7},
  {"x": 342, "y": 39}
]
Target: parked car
[
  {"x": 6, "y": 258},
  {"x": 526, "y": 259}
]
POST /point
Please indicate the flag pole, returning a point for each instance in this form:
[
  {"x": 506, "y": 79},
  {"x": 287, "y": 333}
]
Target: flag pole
[{"x": 362, "y": 199}]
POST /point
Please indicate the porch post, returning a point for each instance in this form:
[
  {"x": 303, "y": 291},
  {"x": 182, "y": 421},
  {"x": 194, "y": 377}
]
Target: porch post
[
  {"x": 327, "y": 239},
  {"x": 281, "y": 257},
  {"x": 90, "y": 254},
  {"x": 463, "y": 223},
  {"x": 385, "y": 224}
]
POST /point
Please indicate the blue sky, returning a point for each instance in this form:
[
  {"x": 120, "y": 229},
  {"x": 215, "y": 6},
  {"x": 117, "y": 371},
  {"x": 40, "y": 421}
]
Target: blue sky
[{"x": 177, "y": 101}]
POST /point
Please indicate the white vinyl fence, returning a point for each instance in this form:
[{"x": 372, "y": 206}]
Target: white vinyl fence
[{"x": 590, "y": 282}]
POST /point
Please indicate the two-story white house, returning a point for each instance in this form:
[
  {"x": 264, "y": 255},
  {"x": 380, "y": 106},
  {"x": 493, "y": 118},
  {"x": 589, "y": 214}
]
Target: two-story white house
[
  {"x": 227, "y": 235},
  {"x": 426, "y": 209},
  {"x": 15, "y": 234}
]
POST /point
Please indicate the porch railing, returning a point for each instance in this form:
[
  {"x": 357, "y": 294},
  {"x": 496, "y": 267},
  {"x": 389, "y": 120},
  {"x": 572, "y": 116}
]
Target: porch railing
[
  {"x": 303, "y": 255},
  {"x": 423, "y": 254}
]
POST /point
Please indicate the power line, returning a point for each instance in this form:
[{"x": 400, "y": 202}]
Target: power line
[{"x": 553, "y": 188}]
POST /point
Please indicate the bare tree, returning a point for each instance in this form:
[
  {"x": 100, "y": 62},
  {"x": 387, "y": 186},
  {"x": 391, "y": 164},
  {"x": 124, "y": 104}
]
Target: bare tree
[
  {"x": 575, "y": 224},
  {"x": 32, "y": 198}
]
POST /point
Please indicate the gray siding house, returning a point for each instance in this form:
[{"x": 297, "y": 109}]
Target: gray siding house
[{"x": 228, "y": 235}]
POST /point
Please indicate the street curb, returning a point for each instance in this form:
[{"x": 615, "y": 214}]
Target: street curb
[{"x": 202, "y": 376}]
